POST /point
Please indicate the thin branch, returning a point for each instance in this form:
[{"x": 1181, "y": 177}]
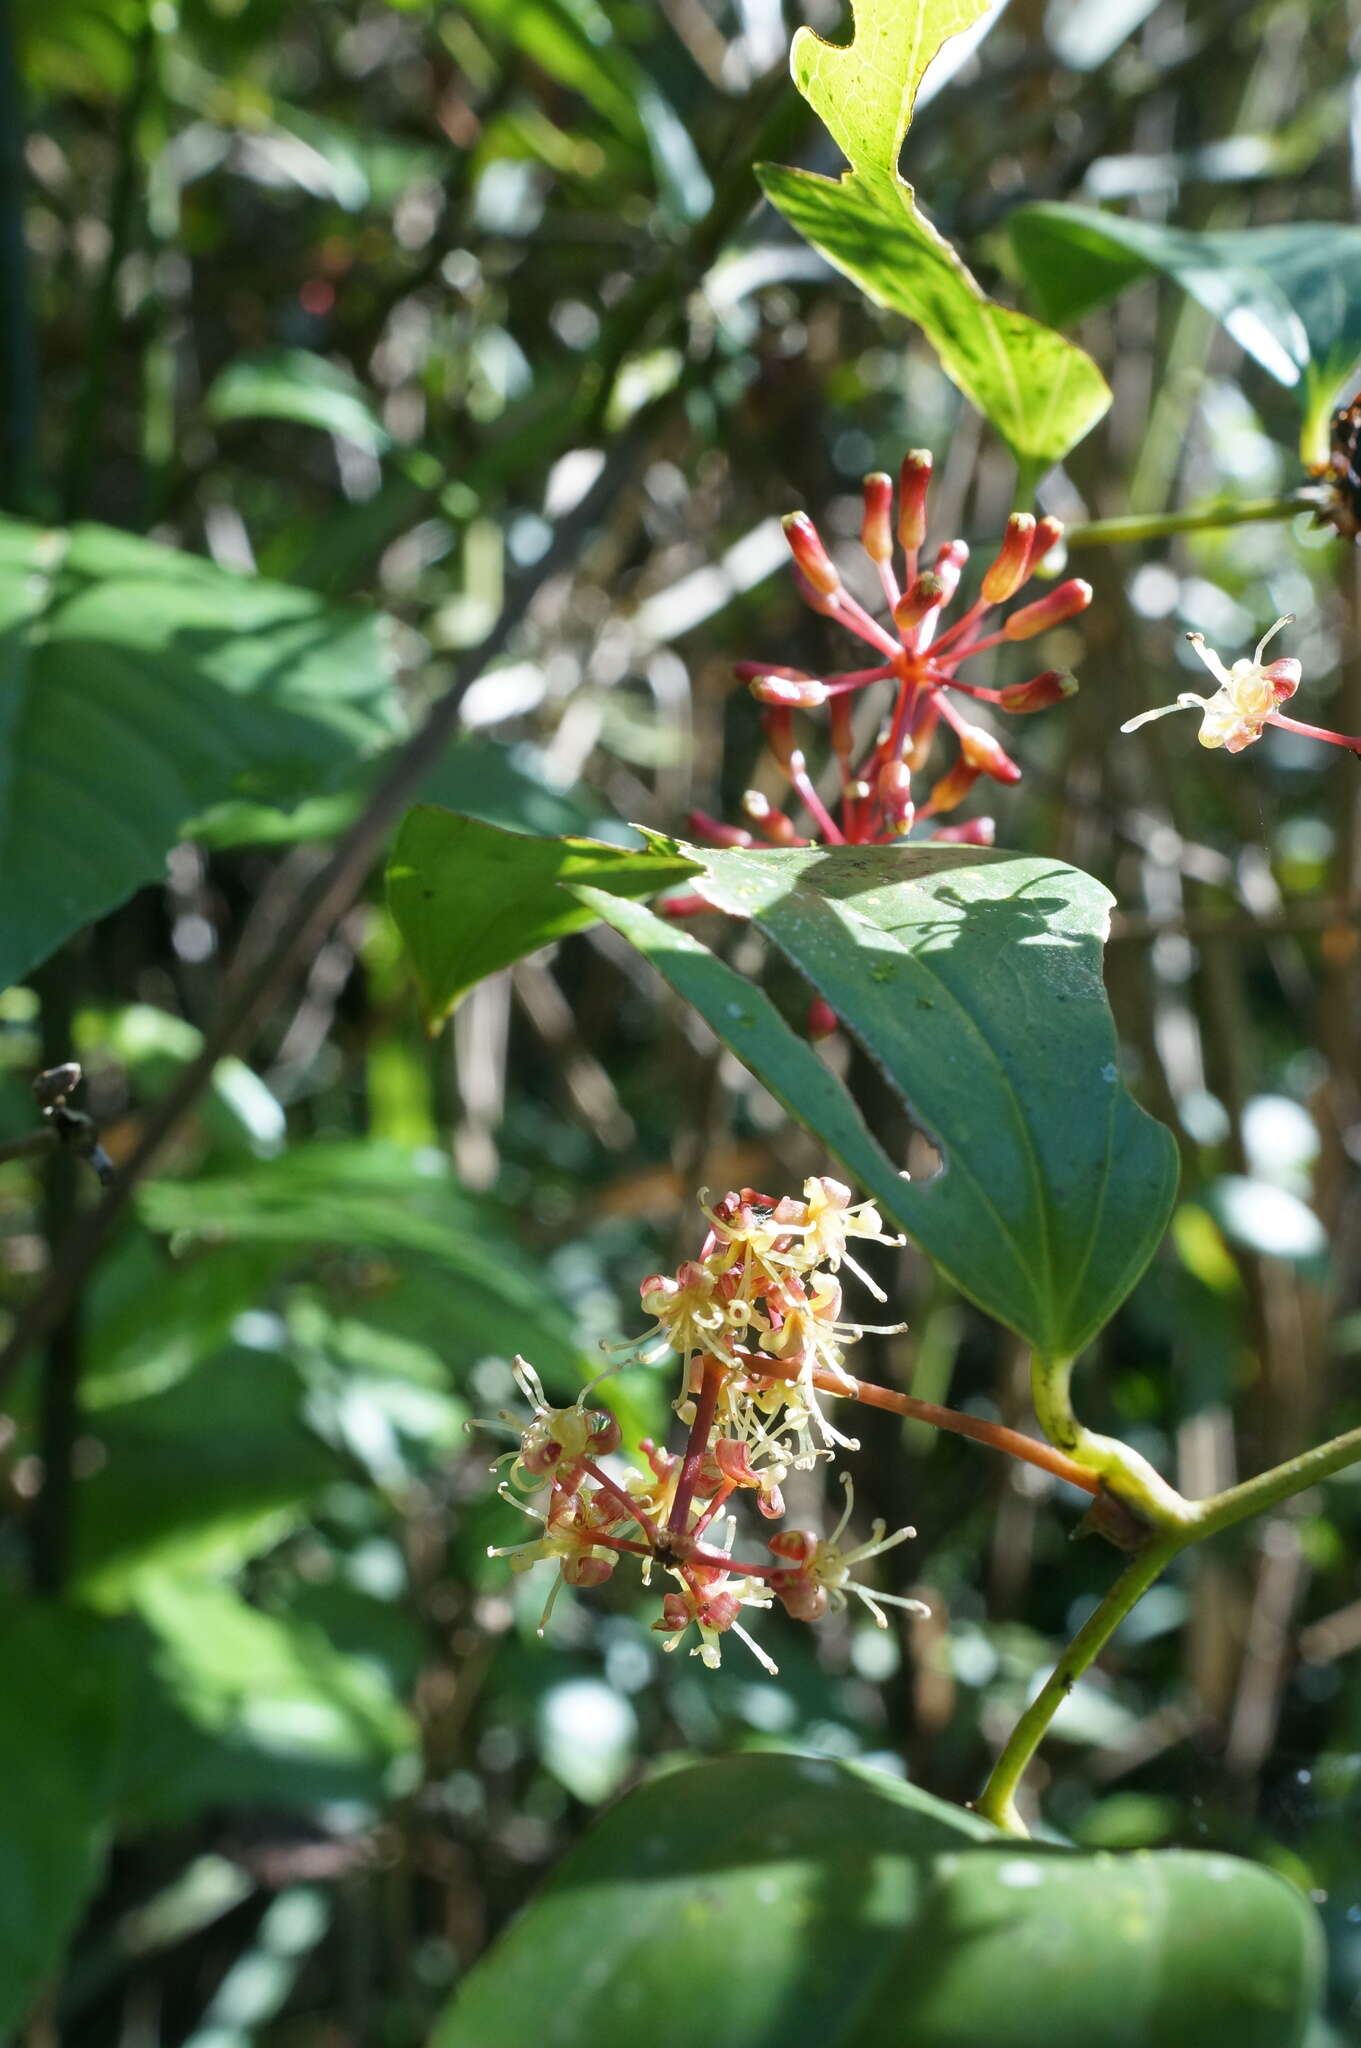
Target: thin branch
[
  {"x": 1135, "y": 526},
  {"x": 1012, "y": 1442}
]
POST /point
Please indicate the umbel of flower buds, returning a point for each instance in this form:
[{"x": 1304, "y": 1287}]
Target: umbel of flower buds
[
  {"x": 914, "y": 664},
  {"x": 756, "y": 1319}
]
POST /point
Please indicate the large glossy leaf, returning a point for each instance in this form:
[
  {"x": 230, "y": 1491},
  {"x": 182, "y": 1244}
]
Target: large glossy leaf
[
  {"x": 972, "y": 977},
  {"x": 787, "y": 1902},
  {"x": 470, "y": 899},
  {"x": 137, "y": 686},
  {"x": 1290, "y": 296},
  {"x": 63, "y": 1720},
  {"x": 1040, "y": 391}
]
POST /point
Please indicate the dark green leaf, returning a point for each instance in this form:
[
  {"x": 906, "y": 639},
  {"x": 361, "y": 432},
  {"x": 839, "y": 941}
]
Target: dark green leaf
[
  {"x": 63, "y": 1719},
  {"x": 381, "y": 1199},
  {"x": 469, "y": 899},
  {"x": 1040, "y": 392},
  {"x": 974, "y": 980},
  {"x": 204, "y": 1474},
  {"x": 137, "y": 686},
  {"x": 242, "y": 1707},
  {"x": 785, "y": 1902},
  {"x": 1290, "y": 296}
]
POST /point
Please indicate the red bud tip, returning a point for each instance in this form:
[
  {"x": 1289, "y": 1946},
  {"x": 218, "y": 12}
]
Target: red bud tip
[
  {"x": 822, "y": 1019},
  {"x": 770, "y": 822},
  {"x": 974, "y": 832},
  {"x": 1040, "y": 692},
  {"x": 914, "y": 481},
  {"x": 715, "y": 832},
  {"x": 1006, "y": 575},
  {"x": 950, "y": 566},
  {"x": 810, "y": 555},
  {"x": 1062, "y": 603},
  {"x": 748, "y": 671},
  {"x": 920, "y": 597},
  {"x": 802, "y": 695},
  {"x": 876, "y": 528},
  {"x": 988, "y": 755},
  {"x": 894, "y": 791},
  {"x": 954, "y": 787},
  {"x": 1048, "y": 533}
]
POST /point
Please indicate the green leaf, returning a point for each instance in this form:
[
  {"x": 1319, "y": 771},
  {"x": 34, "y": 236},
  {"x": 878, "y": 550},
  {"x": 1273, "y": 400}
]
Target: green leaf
[
  {"x": 240, "y": 1707},
  {"x": 974, "y": 980},
  {"x": 574, "y": 41},
  {"x": 972, "y": 977},
  {"x": 483, "y": 779},
  {"x": 384, "y": 1199},
  {"x": 294, "y": 384},
  {"x": 788, "y": 1902},
  {"x": 203, "y": 1475},
  {"x": 469, "y": 899},
  {"x": 1040, "y": 391},
  {"x": 63, "y": 1720},
  {"x": 1289, "y": 296},
  {"x": 137, "y": 686}
]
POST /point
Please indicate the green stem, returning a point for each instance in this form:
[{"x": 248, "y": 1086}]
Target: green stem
[
  {"x": 1202, "y": 1518},
  {"x": 1236, "y": 1503},
  {"x": 1123, "y": 1471},
  {"x": 1198, "y": 519},
  {"x": 997, "y": 1802}
]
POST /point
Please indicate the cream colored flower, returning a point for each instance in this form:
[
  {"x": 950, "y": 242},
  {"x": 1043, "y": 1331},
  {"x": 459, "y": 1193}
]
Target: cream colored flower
[{"x": 1247, "y": 696}]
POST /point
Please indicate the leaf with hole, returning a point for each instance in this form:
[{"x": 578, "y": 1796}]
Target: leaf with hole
[{"x": 972, "y": 977}]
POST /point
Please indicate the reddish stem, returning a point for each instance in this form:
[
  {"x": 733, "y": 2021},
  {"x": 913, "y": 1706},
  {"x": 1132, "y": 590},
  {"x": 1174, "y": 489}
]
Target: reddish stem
[
  {"x": 622, "y": 1498},
  {"x": 1313, "y": 732},
  {"x": 1011, "y": 1441},
  {"x": 720, "y": 1499},
  {"x": 706, "y": 1401}
]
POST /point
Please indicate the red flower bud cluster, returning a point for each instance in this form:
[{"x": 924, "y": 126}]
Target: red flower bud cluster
[{"x": 917, "y": 664}]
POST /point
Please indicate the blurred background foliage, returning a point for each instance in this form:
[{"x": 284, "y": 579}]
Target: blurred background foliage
[{"x": 360, "y": 297}]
